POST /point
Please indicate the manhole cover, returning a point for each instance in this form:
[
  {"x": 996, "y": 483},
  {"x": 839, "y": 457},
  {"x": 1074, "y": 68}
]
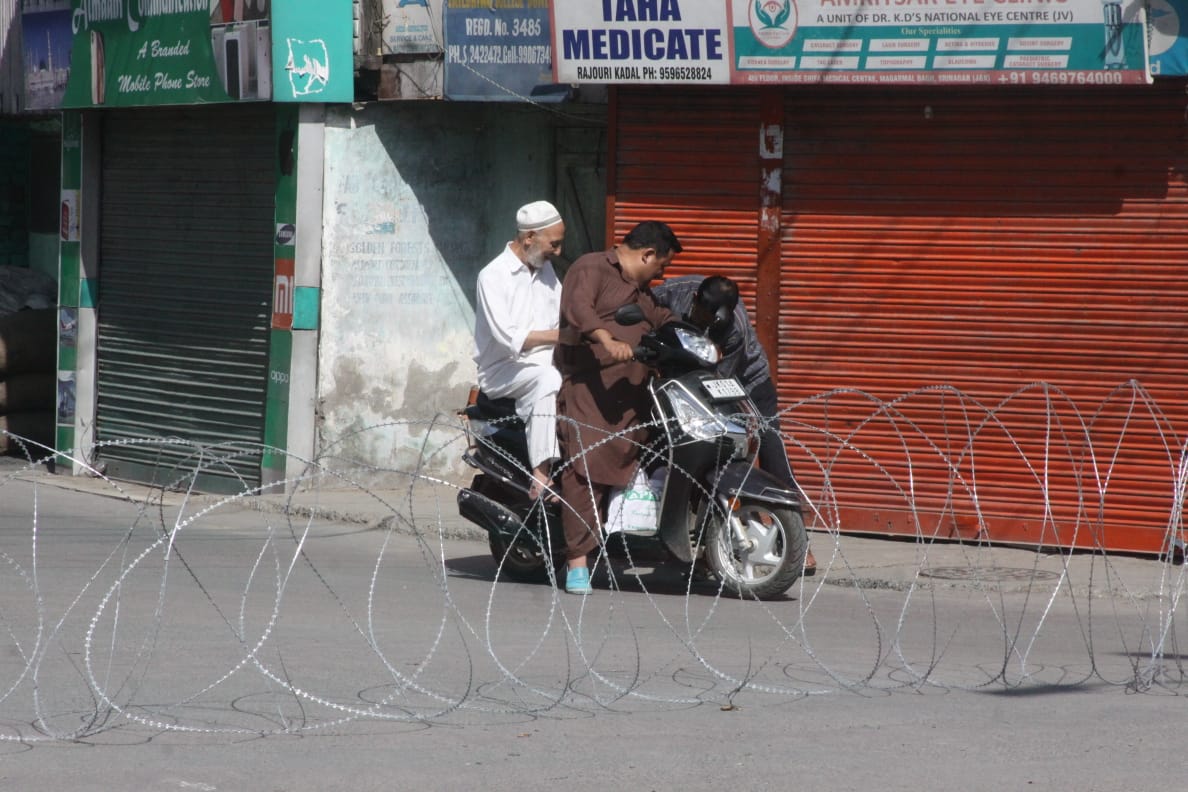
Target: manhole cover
[{"x": 991, "y": 574}]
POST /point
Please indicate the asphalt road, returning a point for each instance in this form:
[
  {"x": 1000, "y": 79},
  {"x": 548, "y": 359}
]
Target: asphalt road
[{"x": 184, "y": 646}]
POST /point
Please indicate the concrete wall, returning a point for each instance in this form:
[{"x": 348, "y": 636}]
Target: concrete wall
[{"x": 418, "y": 197}]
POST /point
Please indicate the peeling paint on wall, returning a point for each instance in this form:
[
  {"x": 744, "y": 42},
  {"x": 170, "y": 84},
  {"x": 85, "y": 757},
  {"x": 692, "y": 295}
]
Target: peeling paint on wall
[
  {"x": 397, "y": 326},
  {"x": 416, "y": 201}
]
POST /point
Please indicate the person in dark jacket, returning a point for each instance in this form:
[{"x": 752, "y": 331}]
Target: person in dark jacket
[{"x": 712, "y": 304}]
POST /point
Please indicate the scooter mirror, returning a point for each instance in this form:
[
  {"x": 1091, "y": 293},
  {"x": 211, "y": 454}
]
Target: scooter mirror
[
  {"x": 630, "y": 314},
  {"x": 721, "y": 323}
]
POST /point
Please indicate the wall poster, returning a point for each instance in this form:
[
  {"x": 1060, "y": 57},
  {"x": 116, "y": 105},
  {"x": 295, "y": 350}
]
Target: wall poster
[{"x": 45, "y": 28}]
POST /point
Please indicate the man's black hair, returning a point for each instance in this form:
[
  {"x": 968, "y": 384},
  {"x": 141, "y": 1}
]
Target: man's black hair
[
  {"x": 718, "y": 291},
  {"x": 718, "y": 296},
  {"x": 653, "y": 234}
]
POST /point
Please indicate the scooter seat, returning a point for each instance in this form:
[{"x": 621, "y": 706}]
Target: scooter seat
[{"x": 494, "y": 409}]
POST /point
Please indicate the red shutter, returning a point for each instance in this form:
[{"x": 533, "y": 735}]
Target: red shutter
[
  {"x": 986, "y": 242},
  {"x": 690, "y": 158},
  {"x": 980, "y": 328}
]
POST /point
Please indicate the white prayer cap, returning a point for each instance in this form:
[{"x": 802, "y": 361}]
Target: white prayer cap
[{"x": 537, "y": 215}]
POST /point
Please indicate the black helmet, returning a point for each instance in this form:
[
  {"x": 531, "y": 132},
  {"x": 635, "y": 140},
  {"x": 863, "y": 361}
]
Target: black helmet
[{"x": 715, "y": 301}]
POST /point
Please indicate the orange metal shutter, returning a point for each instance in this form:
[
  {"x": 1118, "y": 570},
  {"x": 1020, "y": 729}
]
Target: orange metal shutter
[
  {"x": 958, "y": 248},
  {"x": 689, "y": 157}
]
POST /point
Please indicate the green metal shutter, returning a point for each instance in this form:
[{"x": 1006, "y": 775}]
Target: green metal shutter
[{"x": 185, "y": 271}]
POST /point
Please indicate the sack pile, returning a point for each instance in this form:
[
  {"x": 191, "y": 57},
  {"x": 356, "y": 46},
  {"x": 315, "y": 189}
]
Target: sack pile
[{"x": 28, "y": 359}]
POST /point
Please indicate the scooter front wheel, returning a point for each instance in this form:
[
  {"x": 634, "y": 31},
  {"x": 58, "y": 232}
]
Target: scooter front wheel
[{"x": 758, "y": 550}]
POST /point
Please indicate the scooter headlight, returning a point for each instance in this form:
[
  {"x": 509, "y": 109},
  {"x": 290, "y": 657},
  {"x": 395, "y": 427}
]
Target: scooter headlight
[
  {"x": 693, "y": 418},
  {"x": 699, "y": 345}
]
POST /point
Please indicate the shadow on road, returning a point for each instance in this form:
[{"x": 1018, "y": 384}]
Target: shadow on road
[{"x": 660, "y": 580}]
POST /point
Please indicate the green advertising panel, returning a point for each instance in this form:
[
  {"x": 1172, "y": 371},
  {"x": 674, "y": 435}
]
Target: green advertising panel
[
  {"x": 314, "y": 45},
  {"x": 276, "y": 413},
  {"x": 862, "y": 42},
  {"x": 128, "y": 53},
  {"x": 938, "y": 42}
]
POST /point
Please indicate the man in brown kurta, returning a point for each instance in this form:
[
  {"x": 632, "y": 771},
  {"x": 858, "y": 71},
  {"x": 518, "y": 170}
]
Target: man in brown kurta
[{"x": 603, "y": 396}]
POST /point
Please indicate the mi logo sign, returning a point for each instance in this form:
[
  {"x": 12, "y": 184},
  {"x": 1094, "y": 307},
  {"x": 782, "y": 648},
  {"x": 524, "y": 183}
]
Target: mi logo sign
[{"x": 283, "y": 286}]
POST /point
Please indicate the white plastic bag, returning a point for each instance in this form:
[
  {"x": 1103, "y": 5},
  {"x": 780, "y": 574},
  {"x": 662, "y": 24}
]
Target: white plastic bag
[{"x": 636, "y": 509}]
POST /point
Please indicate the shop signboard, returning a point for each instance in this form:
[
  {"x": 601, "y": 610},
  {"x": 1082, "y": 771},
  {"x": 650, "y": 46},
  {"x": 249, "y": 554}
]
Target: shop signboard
[
  {"x": 930, "y": 42},
  {"x": 641, "y": 41},
  {"x": 414, "y": 26},
  {"x": 1168, "y": 24},
  {"x": 126, "y": 53},
  {"x": 499, "y": 52},
  {"x": 313, "y": 51},
  {"x": 962, "y": 42}
]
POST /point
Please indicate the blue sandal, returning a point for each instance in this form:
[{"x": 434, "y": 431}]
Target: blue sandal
[{"x": 577, "y": 581}]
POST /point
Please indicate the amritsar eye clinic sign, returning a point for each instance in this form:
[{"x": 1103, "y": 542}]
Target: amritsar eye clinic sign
[{"x": 931, "y": 42}]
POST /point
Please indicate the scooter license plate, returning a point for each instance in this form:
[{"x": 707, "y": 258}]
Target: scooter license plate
[{"x": 723, "y": 389}]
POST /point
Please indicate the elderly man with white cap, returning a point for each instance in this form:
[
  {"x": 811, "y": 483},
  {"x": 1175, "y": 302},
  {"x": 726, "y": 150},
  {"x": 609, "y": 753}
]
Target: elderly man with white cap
[{"x": 517, "y": 313}]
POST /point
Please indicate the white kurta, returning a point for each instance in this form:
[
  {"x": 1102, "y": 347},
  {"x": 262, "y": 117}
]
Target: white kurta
[{"x": 512, "y": 300}]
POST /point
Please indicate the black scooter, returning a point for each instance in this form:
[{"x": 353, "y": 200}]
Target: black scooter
[{"x": 717, "y": 512}]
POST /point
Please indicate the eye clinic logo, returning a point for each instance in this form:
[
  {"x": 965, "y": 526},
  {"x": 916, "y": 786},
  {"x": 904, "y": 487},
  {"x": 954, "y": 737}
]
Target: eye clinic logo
[{"x": 773, "y": 22}]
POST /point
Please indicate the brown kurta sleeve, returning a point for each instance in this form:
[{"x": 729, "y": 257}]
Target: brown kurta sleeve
[{"x": 580, "y": 310}]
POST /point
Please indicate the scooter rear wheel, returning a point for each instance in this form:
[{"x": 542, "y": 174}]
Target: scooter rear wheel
[
  {"x": 757, "y": 551},
  {"x": 522, "y": 561}
]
